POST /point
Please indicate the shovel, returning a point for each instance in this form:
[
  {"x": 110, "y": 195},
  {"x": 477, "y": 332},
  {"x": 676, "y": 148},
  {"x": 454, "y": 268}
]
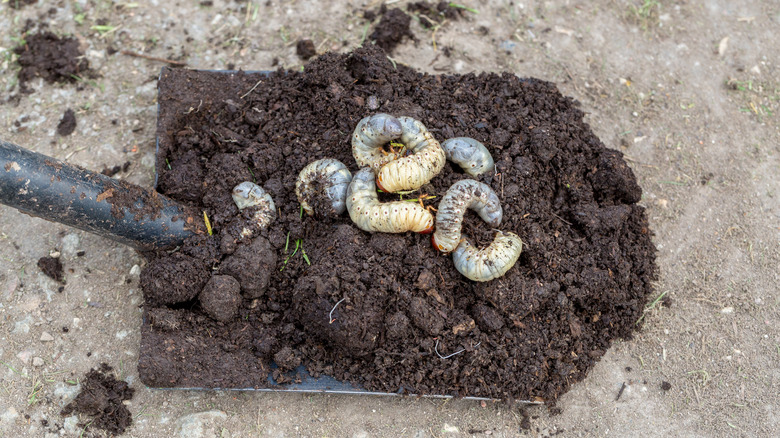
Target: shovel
[{"x": 56, "y": 191}]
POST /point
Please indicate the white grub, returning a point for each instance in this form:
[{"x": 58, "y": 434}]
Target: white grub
[
  {"x": 413, "y": 171},
  {"x": 370, "y": 135},
  {"x": 460, "y": 196},
  {"x": 468, "y": 153},
  {"x": 328, "y": 175},
  {"x": 490, "y": 262},
  {"x": 248, "y": 194},
  {"x": 389, "y": 217}
]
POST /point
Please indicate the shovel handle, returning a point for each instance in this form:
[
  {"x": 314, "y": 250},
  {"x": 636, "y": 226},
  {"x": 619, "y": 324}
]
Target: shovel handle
[{"x": 45, "y": 187}]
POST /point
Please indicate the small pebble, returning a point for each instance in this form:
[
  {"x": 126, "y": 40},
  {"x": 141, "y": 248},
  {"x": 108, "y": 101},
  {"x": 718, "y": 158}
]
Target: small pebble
[
  {"x": 37, "y": 362},
  {"x": 46, "y": 337}
]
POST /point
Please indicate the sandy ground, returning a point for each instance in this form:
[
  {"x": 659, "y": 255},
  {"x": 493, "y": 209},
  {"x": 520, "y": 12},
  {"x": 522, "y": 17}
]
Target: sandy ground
[{"x": 689, "y": 92}]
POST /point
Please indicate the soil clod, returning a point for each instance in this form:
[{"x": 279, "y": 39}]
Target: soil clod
[
  {"x": 53, "y": 58},
  {"x": 52, "y": 267},
  {"x": 67, "y": 123},
  {"x": 101, "y": 398}
]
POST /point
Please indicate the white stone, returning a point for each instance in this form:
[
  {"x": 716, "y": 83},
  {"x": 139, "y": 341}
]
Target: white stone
[
  {"x": 25, "y": 356},
  {"x": 46, "y": 337},
  {"x": 66, "y": 392},
  {"x": 70, "y": 244},
  {"x": 449, "y": 429},
  {"x": 23, "y": 326},
  {"x": 8, "y": 417},
  {"x": 38, "y": 362},
  {"x": 195, "y": 425},
  {"x": 71, "y": 425}
]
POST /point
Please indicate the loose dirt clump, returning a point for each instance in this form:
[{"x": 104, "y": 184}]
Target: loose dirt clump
[
  {"x": 53, "y": 58},
  {"x": 101, "y": 398},
  {"x": 387, "y": 311},
  {"x": 67, "y": 123},
  {"x": 305, "y": 49},
  {"x": 391, "y": 29},
  {"x": 52, "y": 267},
  {"x": 432, "y": 15}
]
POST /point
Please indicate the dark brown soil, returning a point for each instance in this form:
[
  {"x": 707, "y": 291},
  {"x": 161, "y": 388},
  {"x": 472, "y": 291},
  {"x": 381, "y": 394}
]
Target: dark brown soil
[
  {"x": 305, "y": 49},
  {"x": 52, "y": 267},
  {"x": 53, "y": 58},
  {"x": 386, "y": 311},
  {"x": 391, "y": 29},
  {"x": 19, "y": 4},
  {"x": 431, "y": 15},
  {"x": 67, "y": 123},
  {"x": 100, "y": 399}
]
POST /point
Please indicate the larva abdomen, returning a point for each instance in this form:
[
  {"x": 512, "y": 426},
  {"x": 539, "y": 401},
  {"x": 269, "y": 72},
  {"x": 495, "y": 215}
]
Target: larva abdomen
[
  {"x": 248, "y": 194},
  {"x": 468, "y": 153},
  {"x": 370, "y": 215},
  {"x": 328, "y": 175},
  {"x": 370, "y": 135},
  {"x": 413, "y": 171},
  {"x": 463, "y": 195},
  {"x": 490, "y": 262}
]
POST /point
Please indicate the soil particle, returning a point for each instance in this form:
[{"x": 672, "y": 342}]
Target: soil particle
[
  {"x": 174, "y": 182},
  {"x": 50, "y": 57},
  {"x": 67, "y": 123},
  {"x": 424, "y": 317},
  {"x": 52, "y": 267},
  {"x": 391, "y": 29},
  {"x": 287, "y": 359},
  {"x": 666, "y": 386},
  {"x": 19, "y": 4},
  {"x": 252, "y": 266},
  {"x": 366, "y": 308},
  {"x": 221, "y": 297},
  {"x": 173, "y": 279},
  {"x": 432, "y": 15},
  {"x": 305, "y": 49},
  {"x": 110, "y": 172},
  {"x": 487, "y": 318},
  {"x": 101, "y": 398}
]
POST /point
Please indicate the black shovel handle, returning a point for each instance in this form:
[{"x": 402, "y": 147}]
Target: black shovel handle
[{"x": 45, "y": 187}]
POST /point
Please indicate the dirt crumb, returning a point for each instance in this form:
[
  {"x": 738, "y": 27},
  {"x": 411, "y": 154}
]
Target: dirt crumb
[
  {"x": 665, "y": 386},
  {"x": 53, "y": 58},
  {"x": 392, "y": 29},
  {"x": 52, "y": 267},
  {"x": 67, "y": 123},
  {"x": 305, "y": 49},
  {"x": 101, "y": 399},
  {"x": 221, "y": 297}
]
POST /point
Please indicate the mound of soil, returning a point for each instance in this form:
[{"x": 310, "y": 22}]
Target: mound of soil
[
  {"x": 101, "y": 398},
  {"x": 387, "y": 311},
  {"x": 53, "y": 58}
]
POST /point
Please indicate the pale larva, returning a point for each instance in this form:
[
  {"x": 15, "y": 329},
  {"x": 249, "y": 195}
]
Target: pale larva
[
  {"x": 490, "y": 262},
  {"x": 471, "y": 155},
  {"x": 462, "y": 195},
  {"x": 388, "y": 217},
  {"x": 413, "y": 171},
  {"x": 328, "y": 176},
  {"x": 248, "y": 194},
  {"x": 370, "y": 135}
]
